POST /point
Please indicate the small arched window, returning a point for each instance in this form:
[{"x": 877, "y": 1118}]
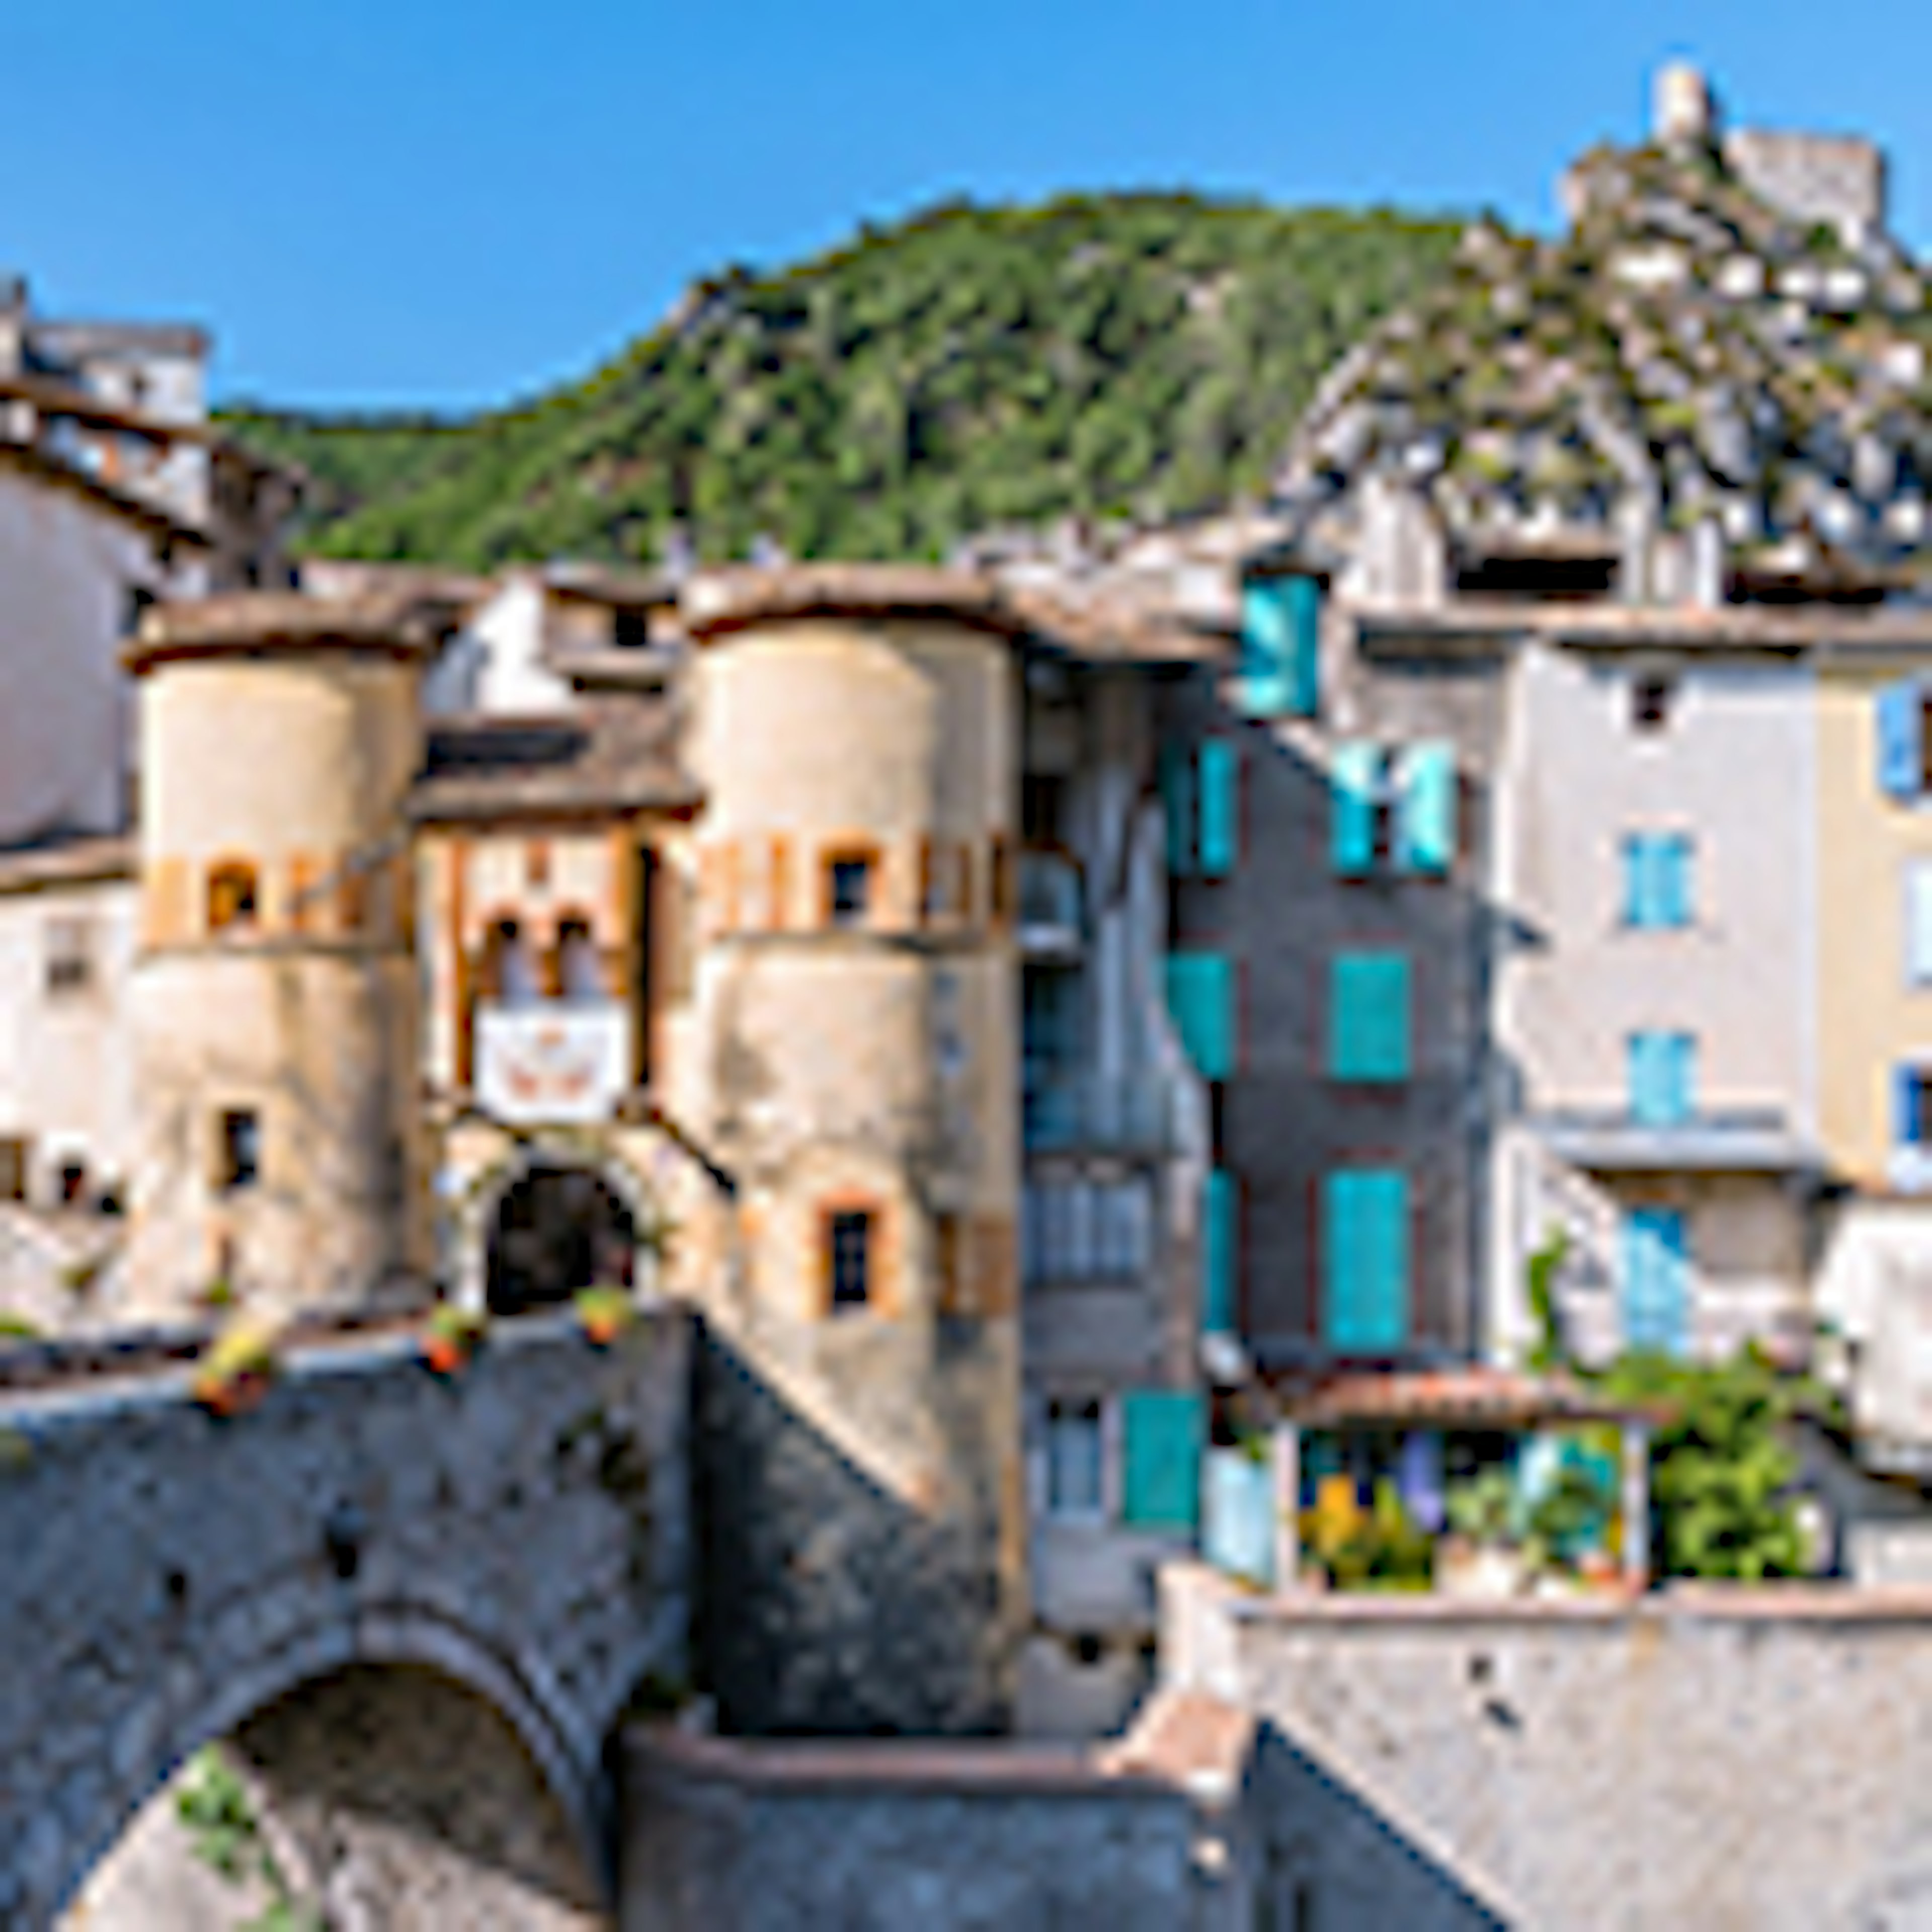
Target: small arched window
[
  {"x": 234, "y": 896},
  {"x": 580, "y": 971},
  {"x": 510, "y": 975}
]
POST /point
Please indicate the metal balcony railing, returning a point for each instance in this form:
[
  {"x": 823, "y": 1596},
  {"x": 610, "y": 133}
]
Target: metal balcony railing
[
  {"x": 1086, "y": 1115},
  {"x": 1050, "y": 903}
]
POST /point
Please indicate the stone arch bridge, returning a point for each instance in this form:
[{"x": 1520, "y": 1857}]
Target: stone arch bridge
[{"x": 520, "y": 1529}]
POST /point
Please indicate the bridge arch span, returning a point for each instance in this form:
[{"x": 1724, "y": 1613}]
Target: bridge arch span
[{"x": 518, "y": 1534}]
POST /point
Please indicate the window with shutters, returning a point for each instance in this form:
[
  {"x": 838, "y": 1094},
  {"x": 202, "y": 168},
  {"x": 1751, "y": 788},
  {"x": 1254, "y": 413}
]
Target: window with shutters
[
  {"x": 1663, "y": 1079},
  {"x": 1368, "y": 1006},
  {"x": 1913, "y": 1107},
  {"x": 1076, "y": 1460},
  {"x": 1904, "y": 720},
  {"x": 1656, "y": 1299},
  {"x": 1657, "y": 880},
  {"x": 1201, "y": 797},
  {"x": 1281, "y": 647},
  {"x": 1395, "y": 811},
  {"x": 1365, "y": 1256}
]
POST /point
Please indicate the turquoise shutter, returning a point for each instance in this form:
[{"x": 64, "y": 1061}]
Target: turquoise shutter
[
  {"x": 1217, "y": 1254},
  {"x": 1647, "y": 1104},
  {"x": 1637, "y": 879},
  {"x": 1680, "y": 1062},
  {"x": 1365, "y": 1248},
  {"x": 1237, "y": 1535},
  {"x": 1656, "y": 1299},
  {"x": 1351, "y": 779},
  {"x": 1304, "y": 609},
  {"x": 1281, "y": 624},
  {"x": 1201, "y": 997},
  {"x": 1369, "y": 1016},
  {"x": 1219, "y": 785},
  {"x": 1163, "y": 1435},
  {"x": 1176, "y": 793},
  {"x": 1672, "y": 869},
  {"x": 1425, "y": 785},
  {"x": 1900, "y": 765}
]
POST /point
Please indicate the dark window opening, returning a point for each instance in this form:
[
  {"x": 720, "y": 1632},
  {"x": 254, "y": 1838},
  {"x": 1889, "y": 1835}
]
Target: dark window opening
[
  {"x": 69, "y": 956},
  {"x": 239, "y": 1162},
  {"x": 1088, "y": 1649},
  {"x": 140, "y": 600},
  {"x": 631, "y": 630},
  {"x": 1918, "y": 1108},
  {"x": 557, "y": 1230},
  {"x": 849, "y": 889},
  {"x": 1651, "y": 699},
  {"x": 850, "y": 1238},
  {"x": 72, "y": 1183},
  {"x": 13, "y": 1151},
  {"x": 1043, "y": 809},
  {"x": 1217, "y": 1121},
  {"x": 1554, "y": 579},
  {"x": 644, "y": 965}
]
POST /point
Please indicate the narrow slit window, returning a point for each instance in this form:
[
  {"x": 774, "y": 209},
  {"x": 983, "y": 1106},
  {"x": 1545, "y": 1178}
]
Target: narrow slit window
[
  {"x": 239, "y": 1156},
  {"x": 849, "y": 1239},
  {"x": 848, "y": 889}
]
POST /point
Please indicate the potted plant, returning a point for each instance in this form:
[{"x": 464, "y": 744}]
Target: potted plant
[
  {"x": 1481, "y": 1558},
  {"x": 235, "y": 1373},
  {"x": 605, "y": 1312},
  {"x": 451, "y": 1336}
]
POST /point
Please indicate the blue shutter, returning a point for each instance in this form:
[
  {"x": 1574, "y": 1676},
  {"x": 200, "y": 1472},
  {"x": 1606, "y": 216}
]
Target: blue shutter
[
  {"x": 1219, "y": 786},
  {"x": 1201, "y": 996},
  {"x": 1217, "y": 1254},
  {"x": 1680, "y": 1062},
  {"x": 1637, "y": 879},
  {"x": 1656, "y": 1296},
  {"x": 1369, "y": 1016},
  {"x": 1365, "y": 1249},
  {"x": 1351, "y": 779},
  {"x": 1280, "y": 646},
  {"x": 1647, "y": 1105},
  {"x": 1899, "y": 738},
  {"x": 1425, "y": 785},
  {"x": 1163, "y": 1435},
  {"x": 1304, "y": 607},
  {"x": 1904, "y": 1112},
  {"x": 1673, "y": 870},
  {"x": 1177, "y": 793},
  {"x": 1237, "y": 1535}
]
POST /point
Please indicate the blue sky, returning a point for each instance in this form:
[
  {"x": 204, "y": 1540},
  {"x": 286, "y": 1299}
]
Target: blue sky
[{"x": 404, "y": 202}]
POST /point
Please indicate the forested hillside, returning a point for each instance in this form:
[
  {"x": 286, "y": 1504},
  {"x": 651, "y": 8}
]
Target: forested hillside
[{"x": 970, "y": 368}]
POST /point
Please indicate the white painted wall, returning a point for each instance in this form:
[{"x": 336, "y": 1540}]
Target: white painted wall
[
  {"x": 495, "y": 663},
  {"x": 66, "y": 1062},
  {"x": 66, "y": 570}
]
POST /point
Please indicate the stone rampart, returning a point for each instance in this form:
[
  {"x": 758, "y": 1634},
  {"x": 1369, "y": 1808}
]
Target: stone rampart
[{"x": 1717, "y": 1757}]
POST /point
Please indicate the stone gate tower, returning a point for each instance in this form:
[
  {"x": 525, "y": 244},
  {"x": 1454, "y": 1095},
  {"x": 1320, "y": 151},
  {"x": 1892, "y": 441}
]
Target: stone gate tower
[
  {"x": 271, "y": 1001},
  {"x": 854, "y": 1064}
]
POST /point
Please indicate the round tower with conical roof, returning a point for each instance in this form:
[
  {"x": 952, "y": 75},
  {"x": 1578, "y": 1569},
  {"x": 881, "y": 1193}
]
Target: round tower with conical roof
[
  {"x": 272, "y": 997},
  {"x": 854, "y": 1065}
]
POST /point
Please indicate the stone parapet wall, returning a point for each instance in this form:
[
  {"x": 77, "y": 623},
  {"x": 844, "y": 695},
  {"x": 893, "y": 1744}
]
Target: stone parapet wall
[
  {"x": 782, "y": 1837},
  {"x": 1717, "y": 1756},
  {"x": 521, "y": 1530}
]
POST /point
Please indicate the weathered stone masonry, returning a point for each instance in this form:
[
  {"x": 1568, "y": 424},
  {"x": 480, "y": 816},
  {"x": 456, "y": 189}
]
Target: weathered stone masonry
[{"x": 522, "y": 1530}]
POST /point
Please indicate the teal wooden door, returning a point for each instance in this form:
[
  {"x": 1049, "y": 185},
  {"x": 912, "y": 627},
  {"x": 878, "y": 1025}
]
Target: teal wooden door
[{"x": 1656, "y": 1283}]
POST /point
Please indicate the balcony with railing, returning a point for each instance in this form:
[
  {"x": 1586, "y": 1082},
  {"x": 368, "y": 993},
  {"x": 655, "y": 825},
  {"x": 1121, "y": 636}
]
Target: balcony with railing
[
  {"x": 1077, "y": 1231},
  {"x": 1082, "y": 1114},
  {"x": 1050, "y": 905}
]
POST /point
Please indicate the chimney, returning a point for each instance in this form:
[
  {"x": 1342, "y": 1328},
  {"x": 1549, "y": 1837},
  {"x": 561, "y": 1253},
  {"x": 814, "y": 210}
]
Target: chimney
[{"x": 1681, "y": 114}]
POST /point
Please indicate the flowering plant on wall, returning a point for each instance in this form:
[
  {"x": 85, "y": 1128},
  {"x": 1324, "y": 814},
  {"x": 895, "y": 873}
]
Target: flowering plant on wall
[
  {"x": 236, "y": 1371},
  {"x": 451, "y": 1336}
]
